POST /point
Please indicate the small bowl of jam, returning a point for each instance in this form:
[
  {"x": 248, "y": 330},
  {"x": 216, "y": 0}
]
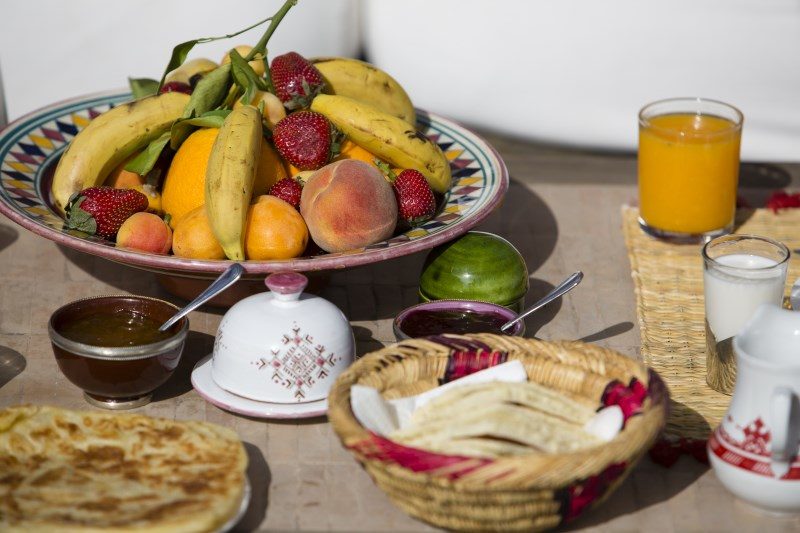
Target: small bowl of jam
[
  {"x": 111, "y": 348},
  {"x": 455, "y": 316}
]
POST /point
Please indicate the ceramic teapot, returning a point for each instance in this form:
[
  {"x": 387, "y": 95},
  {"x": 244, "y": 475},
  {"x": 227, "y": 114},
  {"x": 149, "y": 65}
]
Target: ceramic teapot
[
  {"x": 754, "y": 451},
  {"x": 282, "y": 346}
]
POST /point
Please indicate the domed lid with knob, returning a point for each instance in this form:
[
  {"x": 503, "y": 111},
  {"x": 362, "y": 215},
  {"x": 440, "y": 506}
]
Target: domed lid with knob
[{"x": 283, "y": 345}]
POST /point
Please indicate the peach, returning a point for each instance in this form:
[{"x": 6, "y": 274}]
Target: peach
[
  {"x": 146, "y": 232},
  {"x": 348, "y": 204}
]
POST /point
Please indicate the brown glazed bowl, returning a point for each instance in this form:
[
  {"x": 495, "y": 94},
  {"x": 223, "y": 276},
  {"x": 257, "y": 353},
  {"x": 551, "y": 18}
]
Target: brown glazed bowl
[{"x": 117, "y": 377}]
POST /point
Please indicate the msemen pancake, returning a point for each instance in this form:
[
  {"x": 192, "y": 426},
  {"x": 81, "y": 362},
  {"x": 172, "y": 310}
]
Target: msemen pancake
[{"x": 66, "y": 470}]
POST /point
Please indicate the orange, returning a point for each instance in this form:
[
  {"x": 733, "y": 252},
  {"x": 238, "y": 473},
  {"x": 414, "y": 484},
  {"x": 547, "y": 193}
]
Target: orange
[
  {"x": 185, "y": 185},
  {"x": 194, "y": 238},
  {"x": 270, "y": 169},
  {"x": 275, "y": 230}
]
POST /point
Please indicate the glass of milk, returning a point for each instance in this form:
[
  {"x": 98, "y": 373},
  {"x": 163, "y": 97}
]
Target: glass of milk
[{"x": 740, "y": 273}]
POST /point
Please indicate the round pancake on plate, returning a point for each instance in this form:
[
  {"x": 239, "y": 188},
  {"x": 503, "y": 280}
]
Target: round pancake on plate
[{"x": 64, "y": 470}]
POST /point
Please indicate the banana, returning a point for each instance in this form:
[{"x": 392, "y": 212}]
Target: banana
[
  {"x": 387, "y": 136},
  {"x": 110, "y": 138},
  {"x": 366, "y": 83},
  {"x": 230, "y": 174}
]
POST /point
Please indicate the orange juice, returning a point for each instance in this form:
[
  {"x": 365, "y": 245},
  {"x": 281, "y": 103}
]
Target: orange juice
[{"x": 688, "y": 172}]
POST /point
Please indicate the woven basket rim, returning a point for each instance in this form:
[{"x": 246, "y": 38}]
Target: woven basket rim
[{"x": 642, "y": 428}]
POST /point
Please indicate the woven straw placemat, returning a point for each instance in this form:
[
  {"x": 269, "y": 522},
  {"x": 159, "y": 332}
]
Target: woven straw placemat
[{"x": 668, "y": 279}]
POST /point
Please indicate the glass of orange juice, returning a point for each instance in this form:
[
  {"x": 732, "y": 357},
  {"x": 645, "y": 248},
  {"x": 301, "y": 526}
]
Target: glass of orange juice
[{"x": 688, "y": 168}]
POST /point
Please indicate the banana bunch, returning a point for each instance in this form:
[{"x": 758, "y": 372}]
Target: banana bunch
[
  {"x": 388, "y": 137},
  {"x": 110, "y": 138},
  {"x": 366, "y": 83},
  {"x": 230, "y": 175}
]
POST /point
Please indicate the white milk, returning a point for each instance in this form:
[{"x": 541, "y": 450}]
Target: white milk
[{"x": 735, "y": 287}]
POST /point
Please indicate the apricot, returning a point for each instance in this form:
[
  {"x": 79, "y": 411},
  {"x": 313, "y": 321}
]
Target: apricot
[
  {"x": 273, "y": 107},
  {"x": 194, "y": 238},
  {"x": 348, "y": 204},
  {"x": 125, "y": 179},
  {"x": 146, "y": 232},
  {"x": 275, "y": 230},
  {"x": 257, "y": 63}
]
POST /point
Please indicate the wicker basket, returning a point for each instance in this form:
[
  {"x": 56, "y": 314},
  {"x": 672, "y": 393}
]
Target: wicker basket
[{"x": 529, "y": 492}]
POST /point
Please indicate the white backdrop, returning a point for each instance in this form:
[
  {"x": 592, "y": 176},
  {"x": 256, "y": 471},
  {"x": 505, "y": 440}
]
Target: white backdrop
[
  {"x": 572, "y": 72},
  {"x": 577, "y": 71},
  {"x": 56, "y": 49}
]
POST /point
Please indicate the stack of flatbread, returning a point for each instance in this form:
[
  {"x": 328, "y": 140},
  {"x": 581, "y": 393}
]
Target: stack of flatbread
[
  {"x": 499, "y": 419},
  {"x": 89, "y": 471}
]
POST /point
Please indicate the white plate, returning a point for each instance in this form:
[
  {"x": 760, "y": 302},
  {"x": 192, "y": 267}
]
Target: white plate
[
  {"x": 206, "y": 387},
  {"x": 230, "y": 524}
]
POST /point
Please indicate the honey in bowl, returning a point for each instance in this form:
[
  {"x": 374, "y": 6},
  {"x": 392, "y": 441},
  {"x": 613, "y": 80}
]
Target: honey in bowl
[
  {"x": 455, "y": 316},
  {"x": 111, "y": 348},
  {"x": 123, "y": 328}
]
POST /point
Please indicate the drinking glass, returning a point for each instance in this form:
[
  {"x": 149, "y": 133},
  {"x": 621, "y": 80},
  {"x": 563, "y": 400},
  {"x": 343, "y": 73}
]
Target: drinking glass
[
  {"x": 688, "y": 168},
  {"x": 740, "y": 273}
]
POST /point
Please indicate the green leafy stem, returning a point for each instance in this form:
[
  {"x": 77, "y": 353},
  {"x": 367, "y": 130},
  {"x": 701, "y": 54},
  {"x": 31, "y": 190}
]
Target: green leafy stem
[{"x": 214, "y": 94}]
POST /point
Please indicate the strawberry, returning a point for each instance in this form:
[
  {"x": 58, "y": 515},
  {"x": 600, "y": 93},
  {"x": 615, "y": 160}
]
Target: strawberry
[
  {"x": 297, "y": 81},
  {"x": 306, "y": 139},
  {"x": 102, "y": 210},
  {"x": 289, "y": 190},
  {"x": 415, "y": 201}
]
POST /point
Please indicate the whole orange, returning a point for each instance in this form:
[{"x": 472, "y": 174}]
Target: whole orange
[
  {"x": 270, "y": 169},
  {"x": 275, "y": 230},
  {"x": 194, "y": 238},
  {"x": 185, "y": 185}
]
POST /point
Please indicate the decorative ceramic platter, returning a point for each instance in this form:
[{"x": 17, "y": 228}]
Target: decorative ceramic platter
[
  {"x": 206, "y": 387},
  {"x": 31, "y": 146}
]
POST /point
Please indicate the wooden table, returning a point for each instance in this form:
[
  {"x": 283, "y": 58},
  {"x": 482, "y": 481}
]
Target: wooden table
[{"x": 563, "y": 213}]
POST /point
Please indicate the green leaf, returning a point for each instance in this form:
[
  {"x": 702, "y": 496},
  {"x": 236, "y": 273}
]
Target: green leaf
[
  {"x": 144, "y": 162},
  {"x": 245, "y": 77},
  {"x": 141, "y": 87},
  {"x": 209, "y": 92},
  {"x": 179, "y": 54},
  {"x": 184, "y": 127},
  {"x": 79, "y": 219},
  {"x": 181, "y": 51}
]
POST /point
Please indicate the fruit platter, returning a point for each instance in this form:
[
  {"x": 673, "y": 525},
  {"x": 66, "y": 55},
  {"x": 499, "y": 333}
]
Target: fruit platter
[{"x": 296, "y": 163}]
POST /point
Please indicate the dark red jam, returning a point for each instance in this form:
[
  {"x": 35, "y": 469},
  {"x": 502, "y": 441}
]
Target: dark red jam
[{"x": 423, "y": 322}]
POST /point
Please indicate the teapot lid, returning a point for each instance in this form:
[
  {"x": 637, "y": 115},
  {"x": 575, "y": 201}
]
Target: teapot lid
[{"x": 286, "y": 285}]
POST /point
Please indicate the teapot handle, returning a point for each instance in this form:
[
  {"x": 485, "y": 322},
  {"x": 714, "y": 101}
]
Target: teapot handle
[{"x": 780, "y": 424}]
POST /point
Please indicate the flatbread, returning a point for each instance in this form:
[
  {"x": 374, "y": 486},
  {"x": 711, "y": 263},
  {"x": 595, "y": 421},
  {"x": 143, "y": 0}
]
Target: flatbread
[
  {"x": 499, "y": 419},
  {"x": 81, "y": 471},
  {"x": 529, "y": 394}
]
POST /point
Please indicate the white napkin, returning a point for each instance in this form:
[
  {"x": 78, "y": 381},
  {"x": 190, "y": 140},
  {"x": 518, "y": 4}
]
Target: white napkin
[{"x": 385, "y": 416}]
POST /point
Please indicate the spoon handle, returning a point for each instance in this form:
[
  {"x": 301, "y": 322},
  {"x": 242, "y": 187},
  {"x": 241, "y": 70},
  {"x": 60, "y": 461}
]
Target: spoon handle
[
  {"x": 563, "y": 288},
  {"x": 225, "y": 280}
]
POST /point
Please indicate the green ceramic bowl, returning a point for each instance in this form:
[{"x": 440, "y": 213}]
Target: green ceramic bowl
[{"x": 476, "y": 266}]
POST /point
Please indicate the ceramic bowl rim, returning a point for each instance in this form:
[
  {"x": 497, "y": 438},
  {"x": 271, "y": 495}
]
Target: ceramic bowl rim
[
  {"x": 118, "y": 353},
  {"x": 518, "y": 329},
  {"x": 208, "y": 269}
]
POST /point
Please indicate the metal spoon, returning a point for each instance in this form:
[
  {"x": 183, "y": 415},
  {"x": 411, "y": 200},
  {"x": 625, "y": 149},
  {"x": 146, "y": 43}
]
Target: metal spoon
[
  {"x": 563, "y": 288},
  {"x": 225, "y": 280}
]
